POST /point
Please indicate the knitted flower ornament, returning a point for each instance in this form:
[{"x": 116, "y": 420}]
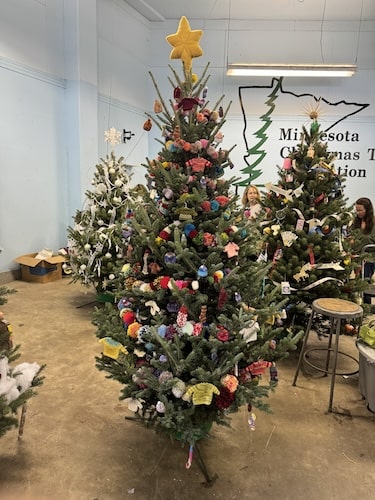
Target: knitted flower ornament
[{"x": 230, "y": 382}]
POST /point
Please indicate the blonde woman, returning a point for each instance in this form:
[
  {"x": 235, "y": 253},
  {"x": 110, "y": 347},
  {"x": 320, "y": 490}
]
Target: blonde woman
[{"x": 251, "y": 202}]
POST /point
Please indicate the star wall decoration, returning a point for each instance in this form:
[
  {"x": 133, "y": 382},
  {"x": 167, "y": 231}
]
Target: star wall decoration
[{"x": 185, "y": 43}]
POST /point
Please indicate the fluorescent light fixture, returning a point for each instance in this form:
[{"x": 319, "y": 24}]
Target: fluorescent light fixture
[{"x": 322, "y": 70}]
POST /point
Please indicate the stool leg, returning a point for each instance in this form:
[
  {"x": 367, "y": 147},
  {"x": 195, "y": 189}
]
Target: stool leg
[
  {"x": 335, "y": 354},
  {"x": 332, "y": 327},
  {"x": 303, "y": 348}
]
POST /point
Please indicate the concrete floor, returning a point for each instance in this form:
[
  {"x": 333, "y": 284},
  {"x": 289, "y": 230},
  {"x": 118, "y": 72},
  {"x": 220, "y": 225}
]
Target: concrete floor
[{"x": 77, "y": 445}]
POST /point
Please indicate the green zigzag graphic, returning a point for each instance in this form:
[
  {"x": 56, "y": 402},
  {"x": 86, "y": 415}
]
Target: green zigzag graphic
[{"x": 250, "y": 170}]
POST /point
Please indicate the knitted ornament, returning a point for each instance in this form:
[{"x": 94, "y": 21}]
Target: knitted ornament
[
  {"x": 203, "y": 314},
  {"x": 162, "y": 330},
  {"x": 197, "y": 330},
  {"x": 165, "y": 376},
  {"x": 231, "y": 249},
  {"x": 111, "y": 348},
  {"x": 145, "y": 262},
  {"x": 157, "y": 106},
  {"x": 195, "y": 285},
  {"x": 188, "y": 103},
  {"x": 222, "y": 200},
  {"x": 198, "y": 239},
  {"x": 179, "y": 389},
  {"x": 170, "y": 258},
  {"x": 224, "y": 399},
  {"x": 147, "y": 125},
  {"x": 6, "y": 331},
  {"x": 180, "y": 284},
  {"x": 209, "y": 240},
  {"x": 224, "y": 238},
  {"x": 223, "y": 297},
  {"x": 124, "y": 303},
  {"x": 154, "y": 268},
  {"x": 273, "y": 373},
  {"x": 160, "y": 407},
  {"x": 133, "y": 404},
  {"x": 258, "y": 368},
  {"x": 222, "y": 333},
  {"x": 218, "y": 275},
  {"x": 230, "y": 382},
  {"x": 188, "y": 328},
  {"x": 172, "y": 307},
  {"x": 198, "y": 164},
  {"x": 163, "y": 281},
  {"x": 133, "y": 329},
  {"x": 201, "y": 394},
  {"x": 188, "y": 228},
  {"x": 128, "y": 317},
  {"x": 287, "y": 163},
  {"x": 167, "y": 193},
  {"x": 214, "y": 205},
  {"x": 154, "y": 308},
  {"x": 206, "y": 206},
  {"x": 170, "y": 332},
  {"x": 165, "y": 233},
  {"x": 251, "y": 421},
  {"x": 310, "y": 152},
  {"x": 182, "y": 316}
]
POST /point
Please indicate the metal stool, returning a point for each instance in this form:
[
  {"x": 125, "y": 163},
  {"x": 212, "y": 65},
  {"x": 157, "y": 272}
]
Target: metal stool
[{"x": 336, "y": 310}]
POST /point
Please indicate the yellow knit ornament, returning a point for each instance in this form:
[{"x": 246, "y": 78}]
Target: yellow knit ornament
[
  {"x": 201, "y": 393},
  {"x": 112, "y": 348}
]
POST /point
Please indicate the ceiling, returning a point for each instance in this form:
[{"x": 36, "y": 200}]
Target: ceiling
[{"x": 299, "y": 10}]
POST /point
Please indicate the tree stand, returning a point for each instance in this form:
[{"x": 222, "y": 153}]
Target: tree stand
[
  {"x": 210, "y": 480},
  {"x": 22, "y": 421}
]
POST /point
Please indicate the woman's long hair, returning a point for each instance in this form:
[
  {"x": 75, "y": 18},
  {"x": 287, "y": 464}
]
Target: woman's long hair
[
  {"x": 368, "y": 218},
  {"x": 244, "y": 200}
]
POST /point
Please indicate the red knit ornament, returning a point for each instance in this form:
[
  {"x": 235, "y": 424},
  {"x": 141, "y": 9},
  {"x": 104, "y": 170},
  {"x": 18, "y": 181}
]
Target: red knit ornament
[
  {"x": 182, "y": 316},
  {"x": 224, "y": 399},
  {"x": 223, "y": 297}
]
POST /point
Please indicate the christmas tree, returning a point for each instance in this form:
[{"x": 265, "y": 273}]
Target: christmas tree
[
  {"x": 193, "y": 337},
  {"x": 17, "y": 383},
  {"x": 306, "y": 227},
  {"x": 96, "y": 241}
]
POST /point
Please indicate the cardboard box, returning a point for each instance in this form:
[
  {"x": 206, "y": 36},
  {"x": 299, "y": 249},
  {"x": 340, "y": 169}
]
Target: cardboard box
[{"x": 40, "y": 270}]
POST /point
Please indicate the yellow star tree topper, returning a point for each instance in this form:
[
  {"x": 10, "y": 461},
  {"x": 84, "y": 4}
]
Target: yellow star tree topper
[{"x": 185, "y": 43}]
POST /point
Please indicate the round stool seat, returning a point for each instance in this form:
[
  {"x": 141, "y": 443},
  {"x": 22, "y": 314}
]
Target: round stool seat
[{"x": 337, "y": 308}]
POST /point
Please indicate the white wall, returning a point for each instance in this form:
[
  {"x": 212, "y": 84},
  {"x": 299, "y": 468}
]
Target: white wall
[
  {"x": 33, "y": 159},
  {"x": 286, "y": 41},
  {"x": 69, "y": 72}
]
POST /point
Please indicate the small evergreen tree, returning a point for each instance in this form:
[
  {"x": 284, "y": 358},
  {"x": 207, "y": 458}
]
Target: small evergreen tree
[
  {"x": 96, "y": 241},
  {"x": 193, "y": 332},
  {"x": 14, "y": 392}
]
